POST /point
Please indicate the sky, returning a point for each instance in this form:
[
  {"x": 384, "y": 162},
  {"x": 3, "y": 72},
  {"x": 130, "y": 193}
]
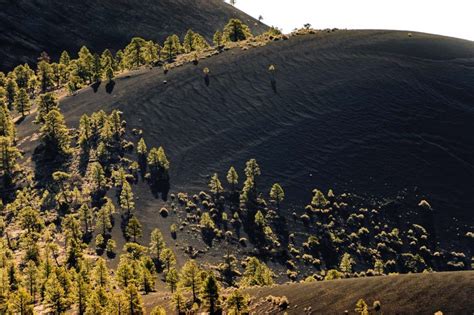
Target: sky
[{"x": 451, "y": 18}]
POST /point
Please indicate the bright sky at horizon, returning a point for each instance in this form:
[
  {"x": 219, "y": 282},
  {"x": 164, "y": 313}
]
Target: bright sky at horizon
[{"x": 451, "y": 18}]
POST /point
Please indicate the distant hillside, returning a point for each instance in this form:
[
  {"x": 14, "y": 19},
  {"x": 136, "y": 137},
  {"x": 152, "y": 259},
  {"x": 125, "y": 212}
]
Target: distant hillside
[
  {"x": 28, "y": 27},
  {"x": 449, "y": 292},
  {"x": 376, "y": 113}
]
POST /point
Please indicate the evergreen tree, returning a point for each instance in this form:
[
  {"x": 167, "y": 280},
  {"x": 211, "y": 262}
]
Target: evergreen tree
[
  {"x": 142, "y": 152},
  {"x": 277, "y": 194},
  {"x": 45, "y": 76},
  {"x": 85, "y": 64},
  {"x": 22, "y": 102},
  {"x": 236, "y": 31},
  {"x": 55, "y": 296},
  {"x": 217, "y": 38},
  {"x": 82, "y": 290},
  {"x": 134, "y": 301},
  {"x": 232, "y": 177},
  {"x": 256, "y": 273},
  {"x": 11, "y": 89},
  {"x": 103, "y": 217},
  {"x": 237, "y": 302},
  {"x": 134, "y": 229},
  {"x": 107, "y": 60},
  {"x": 97, "y": 179},
  {"x": 22, "y": 76},
  {"x": 31, "y": 279},
  {"x": 172, "y": 279},
  {"x": 7, "y": 127},
  {"x": 86, "y": 216},
  {"x": 210, "y": 292},
  {"x": 54, "y": 134},
  {"x": 47, "y": 102},
  {"x": 215, "y": 185},
  {"x": 97, "y": 70},
  {"x": 127, "y": 202},
  {"x": 157, "y": 244},
  {"x": 158, "y": 163},
  {"x": 134, "y": 53},
  {"x": 9, "y": 155},
  {"x": 178, "y": 300},
  {"x": 346, "y": 263},
  {"x": 21, "y": 302},
  {"x": 191, "y": 278},
  {"x": 65, "y": 59},
  {"x": 168, "y": 258},
  {"x": 172, "y": 47},
  {"x": 100, "y": 274},
  {"x": 361, "y": 307}
]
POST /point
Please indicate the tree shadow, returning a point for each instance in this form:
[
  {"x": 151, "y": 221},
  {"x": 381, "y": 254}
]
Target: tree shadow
[
  {"x": 274, "y": 85},
  {"x": 109, "y": 87},
  {"x": 206, "y": 80},
  {"x": 95, "y": 86}
]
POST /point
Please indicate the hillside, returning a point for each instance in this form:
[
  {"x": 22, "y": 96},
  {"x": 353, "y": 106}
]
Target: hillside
[
  {"x": 400, "y": 130},
  {"x": 29, "y": 27},
  {"x": 402, "y": 294}
]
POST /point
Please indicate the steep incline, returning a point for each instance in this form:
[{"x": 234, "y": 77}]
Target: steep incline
[
  {"x": 448, "y": 292},
  {"x": 28, "y": 27},
  {"x": 371, "y": 112}
]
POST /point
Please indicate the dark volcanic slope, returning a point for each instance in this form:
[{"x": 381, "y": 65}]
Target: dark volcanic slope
[
  {"x": 28, "y": 27},
  {"x": 449, "y": 292},
  {"x": 372, "y": 112}
]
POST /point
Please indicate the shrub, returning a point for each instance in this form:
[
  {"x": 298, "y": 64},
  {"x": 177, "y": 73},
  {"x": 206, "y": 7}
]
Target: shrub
[{"x": 164, "y": 212}]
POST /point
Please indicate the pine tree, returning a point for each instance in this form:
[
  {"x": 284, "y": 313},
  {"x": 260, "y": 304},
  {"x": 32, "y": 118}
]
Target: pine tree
[
  {"x": 134, "y": 53},
  {"x": 22, "y": 75},
  {"x": 54, "y": 134},
  {"x": 237, "y": 302},
  {"x": 22, "y": 102},
  {"x": 21, "y": 302},
  {"x": 215, "y": 185},
  {"x": 217, "y": 38},
  {"x": 85, "y": 64},
  {"x": 97, "y": 178},
  {"x": 82, "y": 290},
  {"x": 55, "y": 296},
  {"x": 346, "y": 263},
  {"x": 134, "y": 229},
  {"x": 172, "y": 47},
  {"x": 256, "y": 273},
  {"x": 277, "y": 194},
  {"x": 127, "y": 202},
  {"x": 142, "y": 152},
  {"x": 103, "y": 218},
  {"x": 11, "y": 89},
  {"x": 45, "y": 76},
  {"x": 158, "y": 163},
  {"x": 9, "y": 155},
  {"x": 188, "y": 41},
  {"x": 100, "y": 274},
  {"x": 7, "y": 127},
  {"x": 86, "y": 215},
  {"x": 361, "y": 307},
  {"x": 172, "y": 279},
  {"x": 210, "y": 292},
  {"x": 191, "y": 278},
  {"x": 65, "y": 59},
  {"x": 168, "y": 258},
  {"x": 236, "y": 31},
  {"x": 97, "y": 70},
  {"x": 31, "y": 279},
  {"x": 134, "y": 301},
  {"x": 157, "y": 244},
  {"x": 178, "y": 300},
  {"x": 232, "y": 177},
  {"x": 47, "y": 102}
]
